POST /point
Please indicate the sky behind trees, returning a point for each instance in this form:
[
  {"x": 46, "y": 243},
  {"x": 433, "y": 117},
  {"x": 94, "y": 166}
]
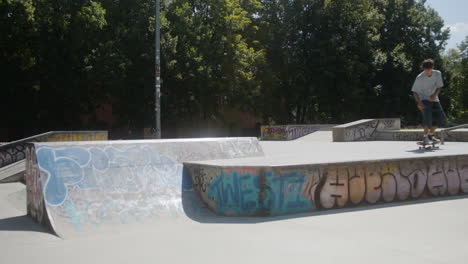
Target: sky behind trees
[{"x": 455, "y": 15}]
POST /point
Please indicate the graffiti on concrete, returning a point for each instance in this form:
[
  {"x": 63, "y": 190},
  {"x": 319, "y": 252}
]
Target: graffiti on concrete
[
  {"x": 12, "y": 153},
  {"x": 389, "y": 124},
  {"x": 274, "y": 133},
  {"x": 405, "y": 136},
  {"x": 387, "y": 129},
  {"x": 81, "y": 136},
  {"x": 35, "y": 198},
  {"x": 288, "y": 132},
  {"x": 452, "y": 136},
  {"x": 364, "y": 130},
  {"x": 235, "y": 192},
  {"x": 289, "y": 190},
  {"x": 393, "y": 181},
  {"x": 85, "y": 185},
  {"x": 300, "y": 131},
  {"x": 16, "y": 151},
  {"x": 92, "y": 185},
  {"x": 284, "y": 194}
]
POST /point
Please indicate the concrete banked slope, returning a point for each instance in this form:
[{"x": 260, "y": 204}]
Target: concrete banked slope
[{"x": 84, "y": 186}]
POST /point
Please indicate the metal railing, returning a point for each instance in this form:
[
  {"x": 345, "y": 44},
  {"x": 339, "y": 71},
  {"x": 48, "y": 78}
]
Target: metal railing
[{"x": 443, "y": 131}]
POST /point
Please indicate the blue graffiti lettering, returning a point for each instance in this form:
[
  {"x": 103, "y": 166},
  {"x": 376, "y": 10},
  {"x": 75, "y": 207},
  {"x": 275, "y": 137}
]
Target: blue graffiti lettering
[
  {"x": 284, "y": 193},
  {"x": 63, "y": 170},
  {"x": 235, "y": 193}
]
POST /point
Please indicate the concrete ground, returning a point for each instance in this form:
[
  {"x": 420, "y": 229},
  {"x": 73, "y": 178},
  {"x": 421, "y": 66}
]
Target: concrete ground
[
  {"x": 428, "y": 231},
  {"x": 318, "y": 148},
  {"x": 410, "y": 232}
]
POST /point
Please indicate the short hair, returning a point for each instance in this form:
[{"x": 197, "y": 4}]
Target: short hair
[{"x": 428, "y": 64}]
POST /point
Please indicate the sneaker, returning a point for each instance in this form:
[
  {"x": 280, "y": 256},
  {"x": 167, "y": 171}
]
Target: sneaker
[
  {"x": 426, "y": 140},
  {"x": 433, "y": 138}
]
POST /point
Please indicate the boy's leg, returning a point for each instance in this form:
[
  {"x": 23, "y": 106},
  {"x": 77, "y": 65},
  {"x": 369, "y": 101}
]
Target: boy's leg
[
  {"x": 432, "y": 134},
  {"x": 439, "y": 119},
  {"x": 427, "y": 119}
]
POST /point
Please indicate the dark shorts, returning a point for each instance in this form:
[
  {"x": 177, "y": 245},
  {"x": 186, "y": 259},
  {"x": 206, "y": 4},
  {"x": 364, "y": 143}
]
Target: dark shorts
[{"x": 433, "y": 114}]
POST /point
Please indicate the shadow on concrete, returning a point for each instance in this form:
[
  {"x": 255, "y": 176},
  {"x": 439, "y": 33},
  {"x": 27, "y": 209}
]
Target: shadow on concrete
[
  {"x": 211, "y": 218},
  {"x": 423, "y": 151},
  {"x": 21, "y": 223}
]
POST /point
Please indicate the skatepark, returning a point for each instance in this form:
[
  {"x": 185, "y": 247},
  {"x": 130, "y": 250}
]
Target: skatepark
[
  {"x": 353, "y": 192},
  {"x": 160, "y": 131}
]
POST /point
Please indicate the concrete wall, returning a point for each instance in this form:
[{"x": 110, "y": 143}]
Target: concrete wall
[
  {"x": 12, "y": 155},
  {"x": 16, "y": 151},
  {"x": 290, "y": 132},
  {"x": 364, "y": 130},
  {"x": 273, "y": 133},
  {"x": 247, "y": 191},
  {"x": 83, "y": 186},
  {"x": 76, "y": 136},
  {"x": 460, "y": 135},
  {"x": 13, "y": 172}
]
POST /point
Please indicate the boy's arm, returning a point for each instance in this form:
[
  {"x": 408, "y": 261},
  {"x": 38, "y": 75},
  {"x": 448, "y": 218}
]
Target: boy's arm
[
  {"x": 439, "y": 85},
  {"x": 435, "y": 94},
  {"x": 418, "y": 101},
  {"x": 415, "y": 89}
]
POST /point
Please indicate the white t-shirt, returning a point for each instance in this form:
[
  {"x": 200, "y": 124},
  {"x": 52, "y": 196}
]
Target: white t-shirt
[{"x": 425, "y": 86}]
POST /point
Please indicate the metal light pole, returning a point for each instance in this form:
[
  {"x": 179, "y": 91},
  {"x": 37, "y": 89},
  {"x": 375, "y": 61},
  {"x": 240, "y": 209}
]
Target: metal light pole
[{"x": 157, "y": 103}]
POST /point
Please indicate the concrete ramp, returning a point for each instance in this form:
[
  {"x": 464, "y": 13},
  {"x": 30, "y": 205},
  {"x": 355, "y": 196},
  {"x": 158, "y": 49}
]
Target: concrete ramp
[
  {"x": 291, "y": 132},
  {"x": 13, "y": 172},
  {"x": 12, "y": 154},
  {"x": 80, "y": 187},
  {"x": 389, "y": 129},
  {"x": 364, "y": 129}
]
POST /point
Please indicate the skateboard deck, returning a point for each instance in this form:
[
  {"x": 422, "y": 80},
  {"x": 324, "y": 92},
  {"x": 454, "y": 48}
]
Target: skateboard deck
[{"x": 430, "y": 145}]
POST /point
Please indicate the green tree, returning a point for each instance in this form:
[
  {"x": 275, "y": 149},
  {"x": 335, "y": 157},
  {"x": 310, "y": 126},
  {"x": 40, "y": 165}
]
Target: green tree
[
  {"x": 288, "y": 61},
  {"x": 17, "y": 65},
  {"x": 456, "y": 62},
  {"x": 208, "y": 61},
  {"x": 411, "y": 32},
  {"x": 322, "y": 54}
]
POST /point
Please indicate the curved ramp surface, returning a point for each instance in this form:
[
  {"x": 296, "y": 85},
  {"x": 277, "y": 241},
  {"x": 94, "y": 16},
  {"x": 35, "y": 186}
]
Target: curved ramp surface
[
  {"x": 12, "y": 154},
  {"x": 79, "y": 187}
]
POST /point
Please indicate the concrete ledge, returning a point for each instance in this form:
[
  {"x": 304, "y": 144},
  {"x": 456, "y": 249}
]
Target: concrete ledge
[
  {"x": 13, "y": 172},
  {"x": 459, "y": 135},
  {"x": 13, "y": 152},
  {"x": 279, "y": 190},
  {"x": 364, "y": 130},
  {"x": 291, "y": 132}
]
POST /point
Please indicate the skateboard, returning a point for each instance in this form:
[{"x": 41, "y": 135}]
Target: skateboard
[{"x": 430, "y": 145}]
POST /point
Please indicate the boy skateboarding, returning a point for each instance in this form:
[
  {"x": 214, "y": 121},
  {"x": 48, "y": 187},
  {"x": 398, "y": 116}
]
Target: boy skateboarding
[{"x": 426, "y": 89}]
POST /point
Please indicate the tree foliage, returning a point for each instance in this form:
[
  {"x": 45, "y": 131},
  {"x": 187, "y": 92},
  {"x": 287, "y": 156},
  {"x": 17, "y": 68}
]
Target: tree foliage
[
  {"x": 456, "y": 61},
  {"x": 284, "y": 61}
]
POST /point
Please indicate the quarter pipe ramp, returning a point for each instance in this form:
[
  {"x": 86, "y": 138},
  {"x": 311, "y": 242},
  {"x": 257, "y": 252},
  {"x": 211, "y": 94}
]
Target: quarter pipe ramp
[{"x": 82, "y": 186}]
